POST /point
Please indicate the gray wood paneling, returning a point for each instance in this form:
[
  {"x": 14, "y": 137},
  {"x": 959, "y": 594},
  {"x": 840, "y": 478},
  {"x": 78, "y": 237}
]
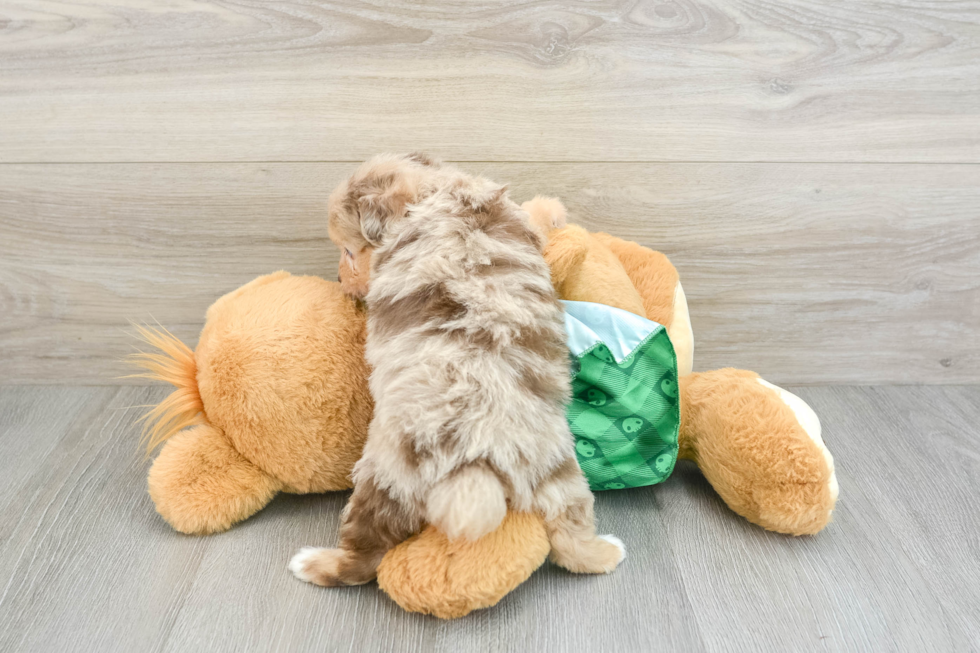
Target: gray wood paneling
[
  {"x": 689, "y": 80},
  {"x": 85, "y": 563},
  {"x": 806, "y": 273}
]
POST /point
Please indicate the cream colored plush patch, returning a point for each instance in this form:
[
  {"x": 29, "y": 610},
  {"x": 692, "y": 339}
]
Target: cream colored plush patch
[
  {"x": 681, "y": 333},
  {"x": 811, "y": 424}
]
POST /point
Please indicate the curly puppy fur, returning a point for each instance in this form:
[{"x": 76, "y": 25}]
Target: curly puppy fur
[{"x": 469, "y": 371}]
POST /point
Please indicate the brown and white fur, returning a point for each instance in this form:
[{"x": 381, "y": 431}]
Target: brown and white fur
[{"x": 470, "y": 371}]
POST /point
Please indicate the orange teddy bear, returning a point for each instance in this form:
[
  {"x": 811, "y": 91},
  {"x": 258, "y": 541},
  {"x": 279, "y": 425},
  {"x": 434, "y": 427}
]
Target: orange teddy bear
[{"x": 276, "y": 398}]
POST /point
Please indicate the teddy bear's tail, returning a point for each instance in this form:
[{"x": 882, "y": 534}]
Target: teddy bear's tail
[{"x": 173, "y": 364}]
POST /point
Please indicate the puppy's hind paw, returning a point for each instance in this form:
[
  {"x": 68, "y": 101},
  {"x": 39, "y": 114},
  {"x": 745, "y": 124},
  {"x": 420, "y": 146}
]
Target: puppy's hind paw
[
  {"x": 618, "y": 543},
  {"x": 317, "y": 566},
  {"x": 599, "y": 554}
]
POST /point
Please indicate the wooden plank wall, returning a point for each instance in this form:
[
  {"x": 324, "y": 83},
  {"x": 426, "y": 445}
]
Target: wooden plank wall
[{"x": 812, "y": 167}]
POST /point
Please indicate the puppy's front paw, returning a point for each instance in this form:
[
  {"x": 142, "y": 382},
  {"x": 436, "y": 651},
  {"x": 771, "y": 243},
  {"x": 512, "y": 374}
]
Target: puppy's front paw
[{"x": 317, "y": 566}]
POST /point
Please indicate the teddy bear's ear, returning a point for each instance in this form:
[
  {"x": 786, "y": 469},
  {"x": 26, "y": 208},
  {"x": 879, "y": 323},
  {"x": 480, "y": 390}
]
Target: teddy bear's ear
[
  {"x": 565, "y": 252},
  {"x": 546, "y": 213}
]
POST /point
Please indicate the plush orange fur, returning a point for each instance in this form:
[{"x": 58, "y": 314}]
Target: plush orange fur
[
  {"x": 753, "y": 451},
  {"x": 581, "y": 266},
  {"x": 450, "y": 578},
  {"x": 278, "y": 388},
  {"x": 651, "y": 274},
  {"x": 281, "y": 373},
  {"x": 200, "y": 484},
  {"x": 280, "y": 369}
]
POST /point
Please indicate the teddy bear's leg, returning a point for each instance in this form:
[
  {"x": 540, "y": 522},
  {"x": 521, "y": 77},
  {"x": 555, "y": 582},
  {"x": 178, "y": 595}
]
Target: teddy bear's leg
[
  {"x": 201, "y": 484},
  {"x": 760, "y": 448},
  {"x": 811, "y": 424},
  {"x": 659, "y": 284},
  {"x": 450, "y": 578}
]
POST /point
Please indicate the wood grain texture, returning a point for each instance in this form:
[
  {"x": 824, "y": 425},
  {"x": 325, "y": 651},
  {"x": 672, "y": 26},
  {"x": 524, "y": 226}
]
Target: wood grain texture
[
  {"x": 85, "y": 563},
  {"x": 805, "y": 273},
  {"x": 82, "y": 565},
  {"x": 31, "y": 430},
  {"x": 654, "y": 80},
  {"x": 899, "y": 566}
]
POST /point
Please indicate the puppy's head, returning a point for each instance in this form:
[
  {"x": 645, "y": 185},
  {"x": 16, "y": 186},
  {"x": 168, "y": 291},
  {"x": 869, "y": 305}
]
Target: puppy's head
[{"x": 363, "y": 208}]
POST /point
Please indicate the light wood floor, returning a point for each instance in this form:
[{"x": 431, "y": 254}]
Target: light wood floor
[{"x": 87, "y": 565}]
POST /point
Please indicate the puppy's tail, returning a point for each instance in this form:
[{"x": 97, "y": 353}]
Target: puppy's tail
[
  {"x": 469, "y": 503},
  {"x": 174, "y": 364}
]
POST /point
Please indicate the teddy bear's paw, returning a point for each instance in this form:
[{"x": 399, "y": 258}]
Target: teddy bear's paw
[
  {"x": 810, "y": 424},
  {"x": 317, "y": 566}
]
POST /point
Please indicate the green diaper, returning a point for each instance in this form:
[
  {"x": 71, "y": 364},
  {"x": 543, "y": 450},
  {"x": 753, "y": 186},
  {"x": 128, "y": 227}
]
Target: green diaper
[{"x": 625, "y": 412}]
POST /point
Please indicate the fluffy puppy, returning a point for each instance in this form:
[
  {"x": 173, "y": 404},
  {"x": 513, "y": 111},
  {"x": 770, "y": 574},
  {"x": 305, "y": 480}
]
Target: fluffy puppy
[{"x": 470, "y": 371}]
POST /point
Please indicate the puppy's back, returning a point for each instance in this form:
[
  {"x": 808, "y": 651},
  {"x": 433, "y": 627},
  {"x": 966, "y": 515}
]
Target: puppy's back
[{"x": 467, "y": 343}]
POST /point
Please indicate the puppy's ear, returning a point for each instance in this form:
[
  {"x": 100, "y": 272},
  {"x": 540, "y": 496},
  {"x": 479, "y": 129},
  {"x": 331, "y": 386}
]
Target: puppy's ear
[
  {"x": 424, "y": 159},
  {"x": 378, "y": 208}
]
